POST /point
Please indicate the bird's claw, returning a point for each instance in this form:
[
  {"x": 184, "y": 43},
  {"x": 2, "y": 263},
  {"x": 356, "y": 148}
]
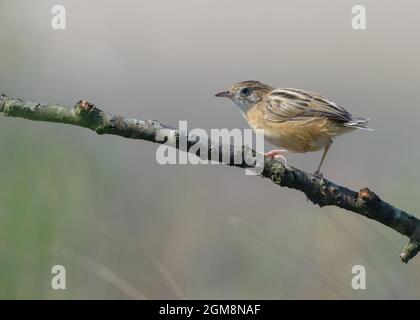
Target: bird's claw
[
  {"x": 318, "y": 174},
  {"x": 278, "y": 155}
]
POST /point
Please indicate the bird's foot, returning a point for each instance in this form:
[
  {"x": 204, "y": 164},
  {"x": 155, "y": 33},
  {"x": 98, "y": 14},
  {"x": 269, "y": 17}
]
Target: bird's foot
[
  {"x": 277, "y": 154},
  {"x": 318, "y": 174}
]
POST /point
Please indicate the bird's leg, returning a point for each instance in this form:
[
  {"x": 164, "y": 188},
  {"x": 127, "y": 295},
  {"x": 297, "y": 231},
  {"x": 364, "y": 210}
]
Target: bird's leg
[
  {"x": 318, "y": 173},
  {"x": 277, "y": 154}
]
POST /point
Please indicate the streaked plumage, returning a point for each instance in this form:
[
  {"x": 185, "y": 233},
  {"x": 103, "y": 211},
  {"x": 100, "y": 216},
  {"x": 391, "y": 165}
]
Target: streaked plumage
[{"x": 294, "y": 119}]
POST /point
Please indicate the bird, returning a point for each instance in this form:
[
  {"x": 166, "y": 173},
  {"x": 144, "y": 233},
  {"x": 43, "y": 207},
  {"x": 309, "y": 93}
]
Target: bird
[{"x": 295, "y": 120}]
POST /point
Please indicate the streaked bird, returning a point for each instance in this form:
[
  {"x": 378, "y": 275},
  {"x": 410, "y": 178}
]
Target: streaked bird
[{"x": 293, "y": 119}]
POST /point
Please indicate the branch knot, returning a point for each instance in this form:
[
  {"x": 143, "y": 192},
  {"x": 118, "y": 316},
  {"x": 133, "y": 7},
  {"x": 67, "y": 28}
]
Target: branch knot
[
  {"x": 369, "y": 198},
  {"x": 85, "y": 106}
]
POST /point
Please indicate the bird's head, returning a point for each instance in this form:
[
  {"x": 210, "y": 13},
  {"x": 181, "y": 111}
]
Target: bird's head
[{"x": 246, "y": 94}]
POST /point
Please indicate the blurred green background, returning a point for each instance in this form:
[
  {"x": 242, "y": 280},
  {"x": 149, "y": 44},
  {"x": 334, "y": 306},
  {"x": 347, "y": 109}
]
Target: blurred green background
[{"x": 125, "y": 227}]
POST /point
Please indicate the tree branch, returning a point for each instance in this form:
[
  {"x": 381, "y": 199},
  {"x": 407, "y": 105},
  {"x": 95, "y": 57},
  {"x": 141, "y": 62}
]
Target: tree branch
[{"x": 320, "y": 191}]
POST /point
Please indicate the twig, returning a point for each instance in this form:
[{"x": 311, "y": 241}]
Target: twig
[{"x": 320, "y": 191}]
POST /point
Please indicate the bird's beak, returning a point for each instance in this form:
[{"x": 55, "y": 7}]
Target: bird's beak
[{"x": 224, "y": 94}]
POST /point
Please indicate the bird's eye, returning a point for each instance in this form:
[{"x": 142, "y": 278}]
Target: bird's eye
[{"x": 245, "y": 92}]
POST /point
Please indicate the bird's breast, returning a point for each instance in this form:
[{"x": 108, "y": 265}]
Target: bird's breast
[{"x": 295, "y": 135}]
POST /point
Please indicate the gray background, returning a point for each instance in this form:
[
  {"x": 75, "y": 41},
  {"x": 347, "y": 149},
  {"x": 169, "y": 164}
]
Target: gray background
[{"x": 126, "y": 227}]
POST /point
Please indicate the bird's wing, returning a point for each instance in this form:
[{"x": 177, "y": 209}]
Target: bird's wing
[{"x": 293, "y": 104}]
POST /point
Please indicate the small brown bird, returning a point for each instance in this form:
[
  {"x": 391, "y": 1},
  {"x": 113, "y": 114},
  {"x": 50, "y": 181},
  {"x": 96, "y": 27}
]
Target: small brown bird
[{"x": 293, "y": 119}]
